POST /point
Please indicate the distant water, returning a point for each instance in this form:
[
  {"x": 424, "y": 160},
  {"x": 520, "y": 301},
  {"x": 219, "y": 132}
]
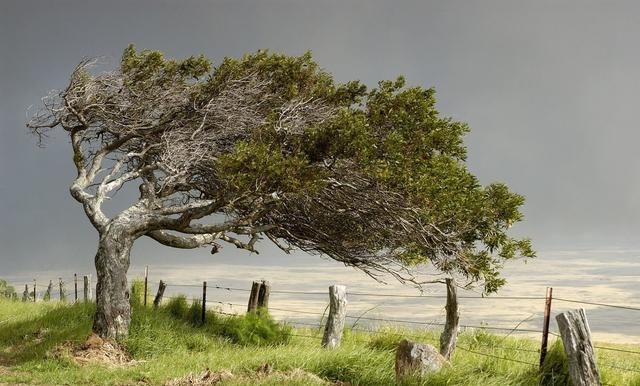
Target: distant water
[{"x": 611, "y": 277}]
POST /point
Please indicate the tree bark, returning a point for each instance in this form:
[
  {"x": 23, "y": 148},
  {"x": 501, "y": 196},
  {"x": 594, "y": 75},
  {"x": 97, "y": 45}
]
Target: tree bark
[
  {"x": 113, "y": 311},
  {"x": 450, "y": 332}
]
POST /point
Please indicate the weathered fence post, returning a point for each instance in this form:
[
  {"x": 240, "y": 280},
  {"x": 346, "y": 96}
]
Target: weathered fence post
[
  {"x": 146, "y": 277},
  {"x": 450, "y": 332},
  {"x": 253, "y": 297},
  {"x": 90, "y": 288},
  {"x": 75, "y": 287},
  {"x": 35, "y": 294},
  {"x": 25, "y": 294},
  {"x": 159, "y": 294},
  {"x": 47, "y": 295},
  {"x": 85, "y": 288},
  {"x": 337, "y": 314},
  {"x": 263, "y": 294},
  {"x": 204, "y": 301},
  {"x": 63, "y": 296},
  {"x": 545, "y": 324},
  {"x": 576, "y": 339}
]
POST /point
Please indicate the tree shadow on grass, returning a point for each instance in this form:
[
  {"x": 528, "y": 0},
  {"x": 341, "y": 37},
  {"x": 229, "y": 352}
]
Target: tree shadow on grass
[{"x": 32, "y": 339}]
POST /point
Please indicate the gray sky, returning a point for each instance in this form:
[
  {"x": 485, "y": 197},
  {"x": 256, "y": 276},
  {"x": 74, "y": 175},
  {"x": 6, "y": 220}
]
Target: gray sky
[{"x": 549, "y": 89}]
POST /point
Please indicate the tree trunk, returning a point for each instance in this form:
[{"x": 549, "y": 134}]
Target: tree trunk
[
  {"x": 450, "y": 332},
  {"x": 113, "y": 311}
]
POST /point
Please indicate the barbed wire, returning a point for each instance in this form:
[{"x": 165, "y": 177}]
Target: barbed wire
[
  {"x": 617, "y": 349},
  {"x": 620, "y": 368},
  {"x": 598, "y": 304}
]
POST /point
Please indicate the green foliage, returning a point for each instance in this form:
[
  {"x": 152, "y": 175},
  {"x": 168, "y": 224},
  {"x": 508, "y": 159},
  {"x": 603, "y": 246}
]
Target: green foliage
[
  {"x": 254, "y": 328},
  {"x": 136, "y": 294},
  {"x": 177, "y": 307},
  {"x": 555, "y": 369},
  {"x": 6, "y": 290}
]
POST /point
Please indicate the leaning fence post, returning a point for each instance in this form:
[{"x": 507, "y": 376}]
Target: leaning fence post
[
  {"x": 337, "y": 314},
  {"x": 25, "y": 294},
  {"x": 85, "y": 288},
  {"x": 263, "y": 294},
  {"x": 204, "y": 301},
  {"x": 63, "y": 296},
  {"x": 450, "y": 331},
  {"x": 576, "y": 339},
  {"x": 253, "y": 297},
  {"x": 75, "y": 286},
  {"x": 159, "y": 294},
  {"x": 545, "y": 324},
  {"x": 47, "y": 295},
  {"x": 146, "y": 276}
]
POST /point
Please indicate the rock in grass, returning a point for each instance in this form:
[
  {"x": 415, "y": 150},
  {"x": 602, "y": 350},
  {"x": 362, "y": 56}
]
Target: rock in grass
[{"x": 417, "y": 359}]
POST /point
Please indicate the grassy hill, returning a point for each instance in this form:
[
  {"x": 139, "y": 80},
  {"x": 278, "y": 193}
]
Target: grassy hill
[{"x": 165, "y": 344}]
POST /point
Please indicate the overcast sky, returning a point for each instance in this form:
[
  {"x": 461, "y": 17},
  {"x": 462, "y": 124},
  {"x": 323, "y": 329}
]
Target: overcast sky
[{"x": 549, "y": 89}]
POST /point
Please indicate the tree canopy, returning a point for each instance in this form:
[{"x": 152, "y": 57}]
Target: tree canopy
[{"x": 271, "y": 146}]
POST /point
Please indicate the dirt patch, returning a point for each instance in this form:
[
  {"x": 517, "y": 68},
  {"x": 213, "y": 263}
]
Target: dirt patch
[
  {"x": 95, "y": 351},
  {"x": 208, "y": 377}
]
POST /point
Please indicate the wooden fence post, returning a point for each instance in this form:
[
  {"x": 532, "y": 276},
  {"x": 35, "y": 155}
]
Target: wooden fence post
[
  {"x": 159, "y": 294},
  {"x": 253, "y": 297},
  {"x": 146, "y": 277},
  {"x": 263, "y": 294},
  {"x": 35, "y": 294},
  {"x": 62, "y": 295},
  {"x": 75, "y": 287},
  {"x": 576, "y": 339},
  {"x": 545, "y": 324},
  {"x": 204, "y": 301},
  {"x": 450, "y": 332},
  {"x": 337, "y": 314},
  {"x": 85, "y": 288},
  {"x": 25, "y": 294},
  {"x": 47, "y": 295},
  {"x": 90, "y": 289}
]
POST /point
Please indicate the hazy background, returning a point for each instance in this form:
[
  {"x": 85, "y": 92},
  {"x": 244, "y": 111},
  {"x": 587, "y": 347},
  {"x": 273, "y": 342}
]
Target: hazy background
[{"x": 549, "y": 89}]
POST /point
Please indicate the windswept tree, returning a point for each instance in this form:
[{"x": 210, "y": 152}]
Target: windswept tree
[{"x": 271, "y": 147}]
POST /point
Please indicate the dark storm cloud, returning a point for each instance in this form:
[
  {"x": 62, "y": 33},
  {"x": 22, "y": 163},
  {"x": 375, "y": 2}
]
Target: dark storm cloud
[{"x": 548, "y": 88}]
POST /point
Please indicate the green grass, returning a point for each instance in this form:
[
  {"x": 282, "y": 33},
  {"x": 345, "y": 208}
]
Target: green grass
[{"x": 170, "y": 343}]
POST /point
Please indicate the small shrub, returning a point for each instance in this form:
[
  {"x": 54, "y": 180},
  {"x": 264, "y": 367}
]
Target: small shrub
[
  {"x": 555, "y": 370},
  {"x": 7, "y": 291},
  {"x": 136, "y": 296},
  {"x": 255, "y": 328},
  {"x": 194, "y": 313},
  {"x": 177, "y": 307}
]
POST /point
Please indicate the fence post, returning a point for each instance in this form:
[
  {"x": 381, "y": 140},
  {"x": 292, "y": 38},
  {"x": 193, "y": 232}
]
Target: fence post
[
  {"x": 450, "y": 331},
  {"x": 253, "y": 297},
  {"x": 146, "y": 276},
  {"x": 337, "y": 314},
  {"x": 85, "y": 287},
  {"x": 263, "y": 294},
  {"x": 545, "y": 324},
  {"x": 63, "y": 296},
  {"x": 576, "y": 339},
  {"x": 75, "y": 287},
  {"x": 159, "y": 294},
  {"x": 25, "y": 294},
  {"x": 204, "y": 301},
  {"x": 90, "y": 289},
  {"x": 47, "y": 295},
  {"x": 34, "y": 290}
]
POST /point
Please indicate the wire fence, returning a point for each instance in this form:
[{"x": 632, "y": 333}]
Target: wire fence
[{"x": 79, "y": 291}]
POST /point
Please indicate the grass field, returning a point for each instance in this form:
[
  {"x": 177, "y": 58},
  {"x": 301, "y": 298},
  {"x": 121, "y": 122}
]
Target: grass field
[{"x": 166, "y": 345}]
